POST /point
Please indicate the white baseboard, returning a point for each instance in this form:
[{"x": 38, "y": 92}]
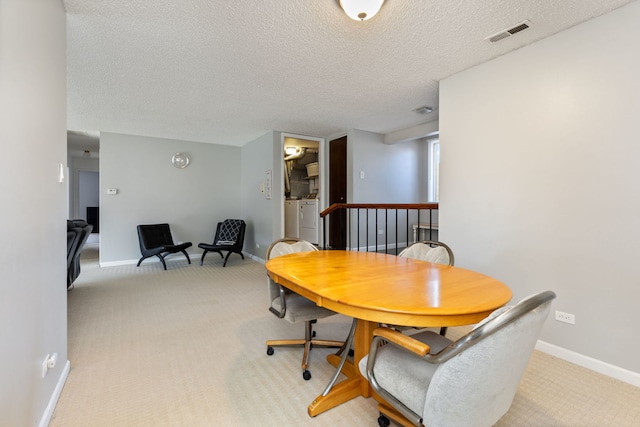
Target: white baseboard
[
  {"x": 599, "y": 366},
  {"x": 255, "y": 258},
  {"x": 173, "y": 257},
  {"x": 122, "y": 262},
  {"x": 53, "y": 401},
  {"x": 195, "y": 258}
]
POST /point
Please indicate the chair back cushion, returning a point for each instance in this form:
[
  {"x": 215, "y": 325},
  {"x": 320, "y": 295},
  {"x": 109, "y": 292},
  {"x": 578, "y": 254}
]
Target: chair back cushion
[
  {"x": 283, "y": 248},
  {"x": 154, "y": 236},
  {"x": 229, "y": 232},
  {"x": 425, "y": 252},
  {"x": 477, "y": 387}
]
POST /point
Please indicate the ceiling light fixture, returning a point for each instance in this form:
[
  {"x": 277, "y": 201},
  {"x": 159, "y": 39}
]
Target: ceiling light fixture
[
  {"x": 361, "y": 10},
  {"x": 290, "y": 150}
]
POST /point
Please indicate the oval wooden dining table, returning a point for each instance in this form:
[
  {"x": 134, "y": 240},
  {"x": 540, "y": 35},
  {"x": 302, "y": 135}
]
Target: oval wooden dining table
[{"x": 378, "y": 288}]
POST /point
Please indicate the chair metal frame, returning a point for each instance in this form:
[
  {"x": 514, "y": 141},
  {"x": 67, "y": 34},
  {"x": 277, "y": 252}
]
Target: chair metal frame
[
  {"x": 388, "y": 336},
  {"x": 309, "y": 341}
]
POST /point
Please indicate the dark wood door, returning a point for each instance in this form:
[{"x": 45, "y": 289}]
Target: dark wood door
[{"x": 338, "y": 192}]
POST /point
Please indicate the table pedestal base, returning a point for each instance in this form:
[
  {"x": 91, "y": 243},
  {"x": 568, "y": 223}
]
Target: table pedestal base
[{"x": 355, "y": 384}]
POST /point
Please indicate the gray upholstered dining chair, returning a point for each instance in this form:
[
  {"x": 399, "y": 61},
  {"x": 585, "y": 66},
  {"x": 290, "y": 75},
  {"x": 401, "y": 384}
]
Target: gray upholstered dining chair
[
  {"x": 469, "y": 382},
  {"x": 431, "y": 251},
  {"x": 295, "y": 308}
]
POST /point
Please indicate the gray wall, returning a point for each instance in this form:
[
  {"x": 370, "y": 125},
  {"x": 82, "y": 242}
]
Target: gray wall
[
  {"x": 88, "y": 192},
  {"x": 390, "y": 171},
  {"x": 76, "y": 166},
  {"x": 261, "y": 214},
  {"x": 391, "y": 175},
  {"x": 33, "y": 296},
  {"x": 151, "y": 190},
  {"x": 540, "y": 177}
]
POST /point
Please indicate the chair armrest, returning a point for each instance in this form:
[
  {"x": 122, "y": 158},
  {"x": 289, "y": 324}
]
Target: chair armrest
[{"x": 402, "y": 340}]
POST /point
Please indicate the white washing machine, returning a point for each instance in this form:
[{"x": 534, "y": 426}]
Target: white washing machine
[
  {"x": 292, "y": 218},
  {"x": 309, "y": 220}
]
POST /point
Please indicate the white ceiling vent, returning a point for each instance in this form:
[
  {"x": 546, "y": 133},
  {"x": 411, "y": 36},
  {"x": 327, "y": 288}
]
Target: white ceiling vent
[{"x": 509, "y": 31}]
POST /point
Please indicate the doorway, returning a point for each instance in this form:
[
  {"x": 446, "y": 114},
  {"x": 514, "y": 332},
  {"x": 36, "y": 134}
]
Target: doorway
[
  {"x": 302, "y": 173},
  {"x": 89, "y": 201},
  {"x": 338, "y": 192}
]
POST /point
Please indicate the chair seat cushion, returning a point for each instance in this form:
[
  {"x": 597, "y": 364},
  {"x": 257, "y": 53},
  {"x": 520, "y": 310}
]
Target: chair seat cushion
[
  {"x": 300, "y": 309},
  {"x": 168, "y": 249},
  {"x": 176, "y": 248},
  {"x": 405, "y": 374},
  {"x": 214, "y": 247}
]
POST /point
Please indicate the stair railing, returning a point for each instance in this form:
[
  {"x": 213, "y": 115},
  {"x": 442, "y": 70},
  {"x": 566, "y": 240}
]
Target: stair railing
[{"x": 381, "y": 227}]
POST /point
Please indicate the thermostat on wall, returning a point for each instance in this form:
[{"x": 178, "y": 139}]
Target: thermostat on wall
[{"x": 112, "y": 191}]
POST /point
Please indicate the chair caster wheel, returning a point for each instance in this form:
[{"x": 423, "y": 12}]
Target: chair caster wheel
[
  {"x": 306, "y": 375},
  {"x": 383, "y": 421},
  {"x": 270, "y": 351}
]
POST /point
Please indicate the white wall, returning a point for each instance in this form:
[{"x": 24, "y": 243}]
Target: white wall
[
  {"x": 151, "y": 190},
  {"x": 540, "y": 179},
  {"x": 32, "y": 253}
]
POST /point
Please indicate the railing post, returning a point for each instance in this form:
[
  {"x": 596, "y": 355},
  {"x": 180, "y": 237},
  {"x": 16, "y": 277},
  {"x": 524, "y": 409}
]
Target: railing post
[{"x": 324, "y": 231}]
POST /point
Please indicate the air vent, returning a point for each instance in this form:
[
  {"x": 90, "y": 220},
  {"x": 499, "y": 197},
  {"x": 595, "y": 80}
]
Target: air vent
[{"x": 509, "y": 31}]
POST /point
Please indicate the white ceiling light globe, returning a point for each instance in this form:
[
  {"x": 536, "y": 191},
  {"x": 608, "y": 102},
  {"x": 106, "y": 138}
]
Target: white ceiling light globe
[{"x": 361, "y": 10}]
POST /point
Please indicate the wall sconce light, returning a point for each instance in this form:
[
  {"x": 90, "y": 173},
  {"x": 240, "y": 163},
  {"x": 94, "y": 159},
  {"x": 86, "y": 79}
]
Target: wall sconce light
[
  {"x": 361, "y": 10},
  {"x": 180, "y": 160}
]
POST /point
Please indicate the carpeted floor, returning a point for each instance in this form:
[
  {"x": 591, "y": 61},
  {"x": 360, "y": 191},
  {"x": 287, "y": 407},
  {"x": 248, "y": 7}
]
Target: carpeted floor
[{"x": 185, "y": 347}]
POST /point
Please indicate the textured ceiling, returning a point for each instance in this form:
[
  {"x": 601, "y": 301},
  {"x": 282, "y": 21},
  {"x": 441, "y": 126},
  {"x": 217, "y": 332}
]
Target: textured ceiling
[{"x": 226, "y": 72}]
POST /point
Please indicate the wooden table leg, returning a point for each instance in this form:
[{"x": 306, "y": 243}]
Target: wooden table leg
[{"x": 355, "y": 384}]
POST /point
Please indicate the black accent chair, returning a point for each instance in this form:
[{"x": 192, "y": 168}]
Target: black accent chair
[
  {"x": 229, "y": 237},
  {"x": 78, "y": 231},
  {"x": 156, "y": 240}
]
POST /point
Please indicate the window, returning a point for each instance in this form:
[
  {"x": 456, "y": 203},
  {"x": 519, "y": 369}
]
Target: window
[{"x": 433, "y": 170}]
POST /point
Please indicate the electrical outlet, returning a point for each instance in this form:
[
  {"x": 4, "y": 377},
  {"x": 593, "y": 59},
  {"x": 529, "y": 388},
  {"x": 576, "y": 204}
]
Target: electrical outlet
[
  {"x": 45, "y": 366},
  {"x": 565, "y": 317},
  {"x": 49, "y": 363}
]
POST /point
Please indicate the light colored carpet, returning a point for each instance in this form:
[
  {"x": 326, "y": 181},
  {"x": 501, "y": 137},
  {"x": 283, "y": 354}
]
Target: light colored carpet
[{"x": 185, "y": 347}]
